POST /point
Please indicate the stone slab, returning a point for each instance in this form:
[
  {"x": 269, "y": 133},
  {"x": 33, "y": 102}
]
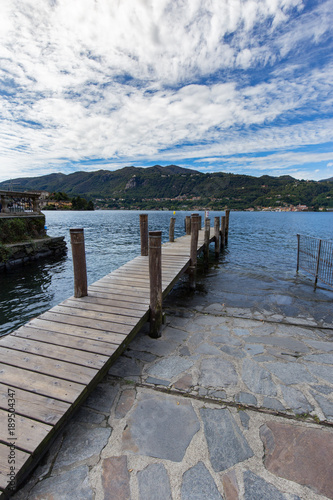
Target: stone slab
[
  {"x": 258, "y": 379},
  {"x": 291, "y": 372},
  {"x": 154, "y": 483},
  {"x": 160, "y": 426},
  {"x": 199, "y": 484},
  {"x": 300, "y": 454},
  {"x": 115, "y": 479},
  {"x": 169, "y": 367},
  {"x": 226, "y": 443},
  {"x": 296, "y": 400},
  {"x": 257, "y": 488},
  {"x": 217, "y": 372}
]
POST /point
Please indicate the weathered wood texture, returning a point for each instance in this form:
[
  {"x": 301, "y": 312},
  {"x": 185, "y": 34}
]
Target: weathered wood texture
[
  {"x": 79, "y": 263},
  {"x": 144, "y": 234},
  {"x": 54, "y": 361}
]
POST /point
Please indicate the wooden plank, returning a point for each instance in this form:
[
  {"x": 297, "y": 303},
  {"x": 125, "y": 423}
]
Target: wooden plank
[
  {"x": 119, "y": 290},
  {"x": 35, "y": 406},
  {"x": 94, "y": 304},
  {"x": 21, "y": 458},
  {"x": 95, "y": 315},
  {"x": 115, "y": 282},
  {"x": 105, "y": 326},
  {"x": 39, "y": 383},
  {"x": 47, "y": 366},
  {"x": 60, "y": 352},
  {"x": 141, "y": 302},
  {"x": 28, "y": 433},
  {"x": 77, "y": 331},
  {"x": 70, "y": 341}
]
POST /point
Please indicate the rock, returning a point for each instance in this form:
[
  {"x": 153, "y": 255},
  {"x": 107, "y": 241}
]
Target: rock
[
  {"x": 198, "y": 484},
  {"x": 290, "y": 373},
  {"x": 170, "y": 367},
  {"x": 284, "y": 343},
  {"x": 325, "y": 405},
  {"x": 149, "y": 478},
  {"x": 159, "y": 427},
  {"x": 115, "y": 479},
  {"x": 217, "y": 372},
  {"x": 273, "y": 404},
  {"x": 300, "y": 454},
  {"x": 126, "y": 367},
  {"x": 244, "y": 418},
  {"x": 226, "y": 443},
  {"x": 257, "y": 488},
  {"x": 102, "y": 397},
  {"x": 296, "y": 400},
  {"x": 184, "y": 383},
  {"x": 157, "y": 381},
  {"x": 230, "y": 486},
  {"x": 246, "y": 398},
  {"x": 257, "y": 379},
  {"x": 125, "y": 403},
  {"x": 324, "y": 372},
  {"x": 66, "y": 486}
]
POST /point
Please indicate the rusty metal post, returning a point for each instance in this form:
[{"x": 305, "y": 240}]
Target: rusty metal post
[
  {"x": 79, "y": 263},
  {"x": 144, "y": 234},
  {"x": 188, "y": 224},
  {"x": 222, "y": 232},
  {"x": 227, "y": 212},
  {"x": 207, "y": 238},
  {"x": 194, "y": 249},
  {"x": 217, "y": 236},
  {"x": 172, "y": 229},
  {"x": 155, "y": 279}
]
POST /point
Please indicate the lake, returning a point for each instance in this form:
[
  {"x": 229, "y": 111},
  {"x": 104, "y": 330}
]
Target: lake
[{"x": 263, "y": 241}]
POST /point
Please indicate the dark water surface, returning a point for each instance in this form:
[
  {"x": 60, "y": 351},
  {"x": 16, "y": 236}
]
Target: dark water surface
[{"x": 262, "y": 246}]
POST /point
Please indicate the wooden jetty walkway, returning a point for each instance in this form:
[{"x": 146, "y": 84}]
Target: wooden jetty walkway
[{"x": 50, "y": 365}]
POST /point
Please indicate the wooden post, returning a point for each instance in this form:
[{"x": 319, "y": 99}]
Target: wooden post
[
  {"x": 144, "y": 234},
  {"x": 155, "y": 279},
  {"x": 317, "y": 265},
  {"x": 217, "y": 236},
  {"x": 194, "y": 249},
  {"x": 79, "y": 263},
  {"x": 172, "y": 229},
  {"x": 222, "y": 232},
  {"x": 188, "y": 224},
  {"x": 227, "y": 212},
  {"x": 207, "y": 237},
  {"x": 200, "y": 222},
  {"x": 297, "y": 269}
]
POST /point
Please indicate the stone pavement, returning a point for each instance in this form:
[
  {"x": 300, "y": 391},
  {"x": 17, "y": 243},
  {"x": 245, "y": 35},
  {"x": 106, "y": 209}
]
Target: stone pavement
[{"x": 230, "y": 403}]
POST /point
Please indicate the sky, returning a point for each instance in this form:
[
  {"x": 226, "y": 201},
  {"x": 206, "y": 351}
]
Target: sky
[{"x": 240, "y": 86}]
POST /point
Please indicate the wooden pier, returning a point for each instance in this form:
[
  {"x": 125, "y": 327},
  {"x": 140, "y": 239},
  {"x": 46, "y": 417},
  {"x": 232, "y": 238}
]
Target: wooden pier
[{"x": 49, "y": 366}]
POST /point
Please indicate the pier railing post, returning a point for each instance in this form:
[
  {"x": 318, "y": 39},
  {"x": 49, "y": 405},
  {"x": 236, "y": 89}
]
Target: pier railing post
[
  {"x": 172, "y": 229},
  {"x": 79, "y": 263},
  {"x": 217, "y": 236},
  {"x": 194, "y": 249},
  {"x": 317, "y": 265},
  {"x": 297, "y": 269},
  {"x": 155, "y": 279},
  {"x": 144, "y": 234},
  {"x": 222, "y": 232},
  {"x": 227, "y": 212},
  {"x": 188, "y": 224},
  {"x": 207, "y": 238}
]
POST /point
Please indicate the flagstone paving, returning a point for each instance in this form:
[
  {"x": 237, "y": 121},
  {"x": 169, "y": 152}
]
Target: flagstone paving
[{"x": 231, "y": 403}]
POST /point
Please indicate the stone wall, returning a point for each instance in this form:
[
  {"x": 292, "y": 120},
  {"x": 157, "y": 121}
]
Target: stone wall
[
  {"x": 21, "y": 228},
  {"x": 21, "y": 253}
]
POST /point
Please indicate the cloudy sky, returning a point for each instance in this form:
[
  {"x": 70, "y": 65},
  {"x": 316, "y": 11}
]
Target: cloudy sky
[{"x": 242, "y": 86}]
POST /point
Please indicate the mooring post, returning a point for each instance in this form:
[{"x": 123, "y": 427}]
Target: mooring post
[
  {"x": 200, "y": 223},
  {"x": 222, "y": 232},
  {"x": 155, "y": 279},
  {"x": 217, "y": 236},
  {"x": 297, "y": 269},
  {"x": 227, "y": 212},
  {"x": 207, "y": 238},
  {"x": 317, "y": 265},
  {"x": 79, "y": 263},
  {"x": 194, "y": 249},
  {"x": 172, "y": 229},
  {"x": 188, "y": 224},
  {"x": 144, "y": 234}
]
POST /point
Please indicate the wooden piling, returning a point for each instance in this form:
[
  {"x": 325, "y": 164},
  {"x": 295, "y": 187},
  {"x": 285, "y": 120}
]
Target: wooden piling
[
  {"x": 79, "y": 263},
  {"x": 155, "y": 279},
  {"x": 200, "y": 222},
  {"x": 227, "y": 212},
  {"x": 222, "y": 232},
  {"x": 193, "y": 252},
  {"x": 217, "y": 236},
  {"x": 172, "y": 229},
  {"x": 207, "y": 238},
  {"x": 144, "y": 234},
  {"x": 188, "y": 224}
]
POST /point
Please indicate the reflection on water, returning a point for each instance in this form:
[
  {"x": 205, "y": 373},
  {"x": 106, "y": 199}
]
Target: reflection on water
[{"x": 262, "y": 244}]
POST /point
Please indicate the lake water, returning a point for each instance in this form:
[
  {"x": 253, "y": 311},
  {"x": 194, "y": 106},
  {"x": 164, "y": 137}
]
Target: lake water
[{"x": 265, "y": 241}]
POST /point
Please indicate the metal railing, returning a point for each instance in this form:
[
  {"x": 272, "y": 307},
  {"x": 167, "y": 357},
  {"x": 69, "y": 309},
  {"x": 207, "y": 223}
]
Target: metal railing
[{"x": 315, "y": 256}]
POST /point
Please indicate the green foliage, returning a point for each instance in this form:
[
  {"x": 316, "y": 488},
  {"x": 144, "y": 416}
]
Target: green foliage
[
  {"x": 175, "y": 188},
  {"x": 5, "y": 253},
  {"x": 16, "y": 229}
]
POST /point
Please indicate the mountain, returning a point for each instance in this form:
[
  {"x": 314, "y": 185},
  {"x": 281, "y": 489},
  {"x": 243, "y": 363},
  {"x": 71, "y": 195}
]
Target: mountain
[{"x": 181, "y": 188}]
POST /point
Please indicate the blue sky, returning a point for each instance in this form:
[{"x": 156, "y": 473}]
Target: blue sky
[{"x": 241, "y": 86}]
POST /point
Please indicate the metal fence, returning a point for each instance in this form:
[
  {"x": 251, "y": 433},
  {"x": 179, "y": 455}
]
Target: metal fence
[{"x": 316, "y": 257}]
